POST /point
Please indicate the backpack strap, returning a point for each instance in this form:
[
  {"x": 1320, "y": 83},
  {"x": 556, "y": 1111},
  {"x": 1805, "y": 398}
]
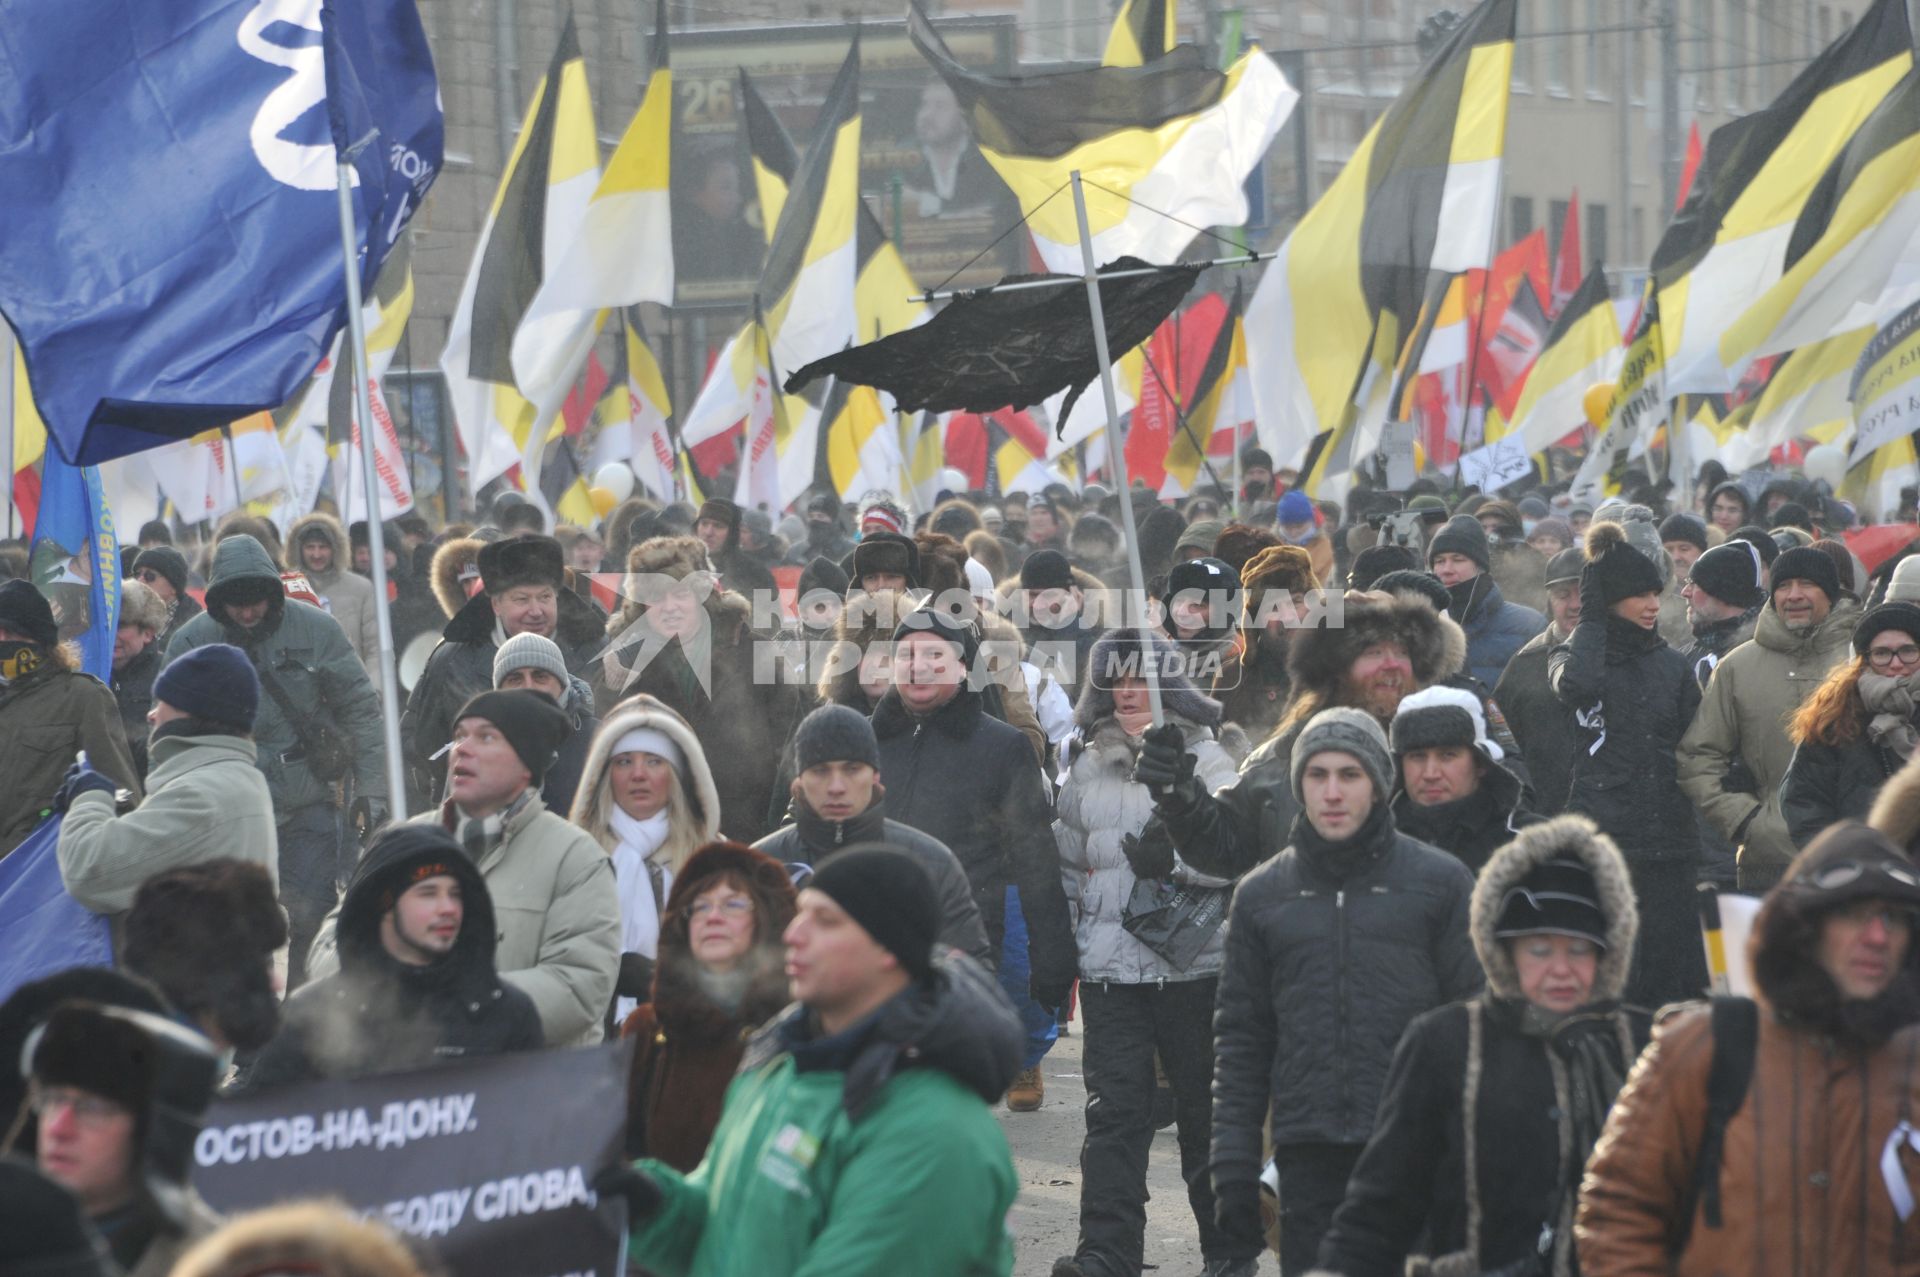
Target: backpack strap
[{"x": 1736, "y": 1035}]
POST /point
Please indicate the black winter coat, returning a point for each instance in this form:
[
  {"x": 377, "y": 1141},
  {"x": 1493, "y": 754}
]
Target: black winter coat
[
  {"x": 133, "y": 689},
  {"x": 1228, "y": 833},
  {"x": 1633, "y": 698},
  {"x": 1548, "y": 736},
  {"x": 970, "y": 781},
  {"x": 562, "y": 780},
  {"x": 1470, "y": 828},
  {"x": 1826, "y": 783},
  {"x": 1411, "y": 1184},
  {"x": 1332, "y": 950}
]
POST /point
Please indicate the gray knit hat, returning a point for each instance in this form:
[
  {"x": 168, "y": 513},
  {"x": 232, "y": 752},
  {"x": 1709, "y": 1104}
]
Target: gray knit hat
[
  {"x": 1350, "y": 731},
  {"x": 530, "y": 651},
  {"x": 835, "y": 734}
]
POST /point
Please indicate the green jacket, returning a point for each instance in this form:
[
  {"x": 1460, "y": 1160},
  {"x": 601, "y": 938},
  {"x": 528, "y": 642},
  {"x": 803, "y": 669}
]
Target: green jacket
[
  {"x": 557, "y": 916},
  {"x": 874, "y": 1151},
  {"x": 205, "y": 798},
  {"x": 306, "y": 652},
  {"x": 1743, "y": 715},
  {"x": 45, "y": 719}
]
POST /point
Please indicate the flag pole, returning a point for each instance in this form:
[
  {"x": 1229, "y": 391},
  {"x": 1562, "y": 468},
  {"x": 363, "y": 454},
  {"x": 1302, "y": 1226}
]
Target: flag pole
[
  {"x": 376, "y": 541},
  {"x": 1116, "y": 451},
  {"x": 7, "y": 399}
]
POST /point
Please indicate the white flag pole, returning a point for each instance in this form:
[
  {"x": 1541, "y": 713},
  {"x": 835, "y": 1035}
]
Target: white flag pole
[
  {"x": 1116, "y": 451},
  {"x": 376, "y": 541}
]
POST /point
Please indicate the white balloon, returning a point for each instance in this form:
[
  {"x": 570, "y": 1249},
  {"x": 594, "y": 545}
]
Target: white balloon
[
  {"x": 1826, "y": 461},
  {"x": 616, "y": 477}
]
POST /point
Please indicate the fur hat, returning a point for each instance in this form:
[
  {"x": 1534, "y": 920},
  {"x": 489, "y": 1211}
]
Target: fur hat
[
  {"x": 720, "y": 510},
  {"x": 205, "y": 933},
  {"x": 456, "y": 562},
  {"x": 140, "y": 606},
  {"x": 530, "y": 559},
  {"x": 300, "y": 1237},
  {"x": 1117, "y": 655},
  {"x": 29, "y": 1006},
  {"x": 675, "y": 557},
  {"x": 886, "y": 552},
  {"x": 1441, "y": 716},
  {"x": 1238, "y": 543},
  {"x": 1622, "y": 570},
  {"x": 1563, "y": 841},
  {"x": 1278, "y": 567},
  {"x": 1318, "y": 657}
]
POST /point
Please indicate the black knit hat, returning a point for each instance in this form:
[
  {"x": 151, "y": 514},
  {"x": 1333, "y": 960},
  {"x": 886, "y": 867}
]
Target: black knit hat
[
  {"x": 26, "y": 612},
  {"x": 1760, "y": 539},
  {"x": 822, "y": 574},
  {"x": 165, "y": 560},
  {"x": 1046, "y": 570},
  {"x": 932, "y": 620},
  {"x": 1622, "y": 571},
  {"x": 1253, "y": 456},
  {"x": 531, "y": 722},
  {"x": 1559, "y": 897},
  {"x": 1733, "y": 572},
  {"x": 43, "y": 1231},
  {"x": 523, "y": 560},
  {"x": 887, "y": 892},
  {"x": 1904, "y": 617},
  {"x": 1376, "y": 561},
  {"x": 1462, "y": 535},
  {"x": 1565, "y": 566},
  {"x": 1410, "y": 581},
  {"x": 1791, "y": 514},
  {"x": 215, "y": 682},
  {"x": 886, "y": 552},
  {"x": 835, "y": 734},
  {"x": 1680, "y": 526},
  {"x": 1804, "y": 563}
]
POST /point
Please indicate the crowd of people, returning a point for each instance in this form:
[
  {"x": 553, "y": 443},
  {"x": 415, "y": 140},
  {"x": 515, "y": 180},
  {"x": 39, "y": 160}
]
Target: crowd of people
[{"x": 1364, "y": 847}]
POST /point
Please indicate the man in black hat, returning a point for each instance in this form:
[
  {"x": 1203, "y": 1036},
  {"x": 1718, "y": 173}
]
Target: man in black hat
[
  {"x": 416, "y": 984},
  {"x": 885, "y": 561},
  {"x": 1725, "y": 589},
  {"x": 524, "y": 591},
  {"x": 1462, "y": 558},
  {"x": 1058, "y": 635},
  {"x": 118, "y": 1096},
  {"x": 826, "y": 538},
  {"x": 719, "y": 525},
  {"x": 1544, "y": 727},
  {"x": 558, "y": 916},
  {"x": 1684, "y": 537},
  {"x": 163, "y": 570},
  {"x": 49, "y": 711}
]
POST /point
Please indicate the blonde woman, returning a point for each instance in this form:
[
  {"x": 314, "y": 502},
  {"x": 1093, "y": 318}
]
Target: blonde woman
[{"x": 647, "y": 796}]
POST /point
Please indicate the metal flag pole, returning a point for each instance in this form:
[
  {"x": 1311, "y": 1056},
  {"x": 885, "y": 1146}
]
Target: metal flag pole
[
  {"x": 7, "y": 400},
  {"x": 1116, "y": 452},
  {"x": 376, "y": 542}
]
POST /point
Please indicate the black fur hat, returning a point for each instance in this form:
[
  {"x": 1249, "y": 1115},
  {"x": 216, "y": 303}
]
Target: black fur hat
[
  {"x": 1318, "y": 658},
  {"x": 205, "y": 934},
  {"x": 522, "y": 560}
]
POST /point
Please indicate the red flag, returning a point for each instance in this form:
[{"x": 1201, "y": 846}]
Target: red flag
[
  {"x": 577, "y": 409},
  {"x": 1690, "y": 167},
  {"x": 1567, "y": 268}
]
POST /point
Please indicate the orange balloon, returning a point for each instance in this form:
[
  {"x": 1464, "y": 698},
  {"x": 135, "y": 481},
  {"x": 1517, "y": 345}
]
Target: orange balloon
[
  {"x": 1594, "y": 403},
  {"x": 603, "y": 501}
]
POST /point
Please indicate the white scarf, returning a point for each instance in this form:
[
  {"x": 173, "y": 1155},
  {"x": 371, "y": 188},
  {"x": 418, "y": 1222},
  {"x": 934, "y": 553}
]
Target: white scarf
[{"x": 639, "y": 907}]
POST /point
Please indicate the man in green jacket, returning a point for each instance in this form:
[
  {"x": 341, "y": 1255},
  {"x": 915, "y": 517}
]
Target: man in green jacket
[
  {"x": 857, "y": 1136},
  {"x": 205, "y": 797},
  {"x": 1804, "y": 630},
  {"x": 310, "y": 678}
]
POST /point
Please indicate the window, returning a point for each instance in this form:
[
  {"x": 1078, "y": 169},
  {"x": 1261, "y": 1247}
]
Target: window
[
  {"x": 1701, "y": 52},
  {"x": 1560, "y": 47},
  {"x": 1556, "y": 223},
  {"x": 1637, "y": 236},
  {"x": 1595, "y": 232},
  {"x": 1519, "y": 217},
  {"x": 1600, "y": 72},
  {"x": 1523, "y": 53}
]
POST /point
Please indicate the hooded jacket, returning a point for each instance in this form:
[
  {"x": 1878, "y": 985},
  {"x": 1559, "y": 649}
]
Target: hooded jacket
[
  {"x": 809, "y": 839},
  {"x": 1802, "y": 1185},
  {"x": 306, "y": 653},
  {"x": 688, "y": 1041},
  {"x": 378, "y": 1015},
  {"x": 1744, "y": 714},
  {"x": 349, "y": 595},
  {"x": 1332, "y": 950},
  {"x": 1473, "y": 1152},
  {"x": 45, "y": 718},
  {"x": 1495, "y": 628},
  {"x": 205, "y": 799},
  {"x": 1228, "y": 832},
  {"x": 1471, "y": 828},
  {"x": 822, "y": 1162},
  {"x": 461, "y": 667}
]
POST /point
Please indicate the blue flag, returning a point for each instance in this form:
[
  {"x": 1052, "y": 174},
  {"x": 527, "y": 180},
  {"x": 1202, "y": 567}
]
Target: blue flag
[
  {"x": 172, "y": 258},
  {"x": 75, "y": 559},
  {"x": 44, "y": 930}
]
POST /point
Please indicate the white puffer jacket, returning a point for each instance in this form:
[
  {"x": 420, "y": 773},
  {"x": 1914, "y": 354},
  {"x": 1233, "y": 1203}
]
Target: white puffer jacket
[{"x": 1100, "y": 805}]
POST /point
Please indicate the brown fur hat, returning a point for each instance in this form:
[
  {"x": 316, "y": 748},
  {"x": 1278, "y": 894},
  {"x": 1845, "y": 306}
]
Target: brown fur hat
[
  {"x": 308, "y": 1237},
  {"x": 1318, "y": 658},
  {"x": 450, "y": 562},
  {"x": 868, "y": 619},
  {"x": 1239, "y": 542},
  {"x": 1278, "y": 567}
]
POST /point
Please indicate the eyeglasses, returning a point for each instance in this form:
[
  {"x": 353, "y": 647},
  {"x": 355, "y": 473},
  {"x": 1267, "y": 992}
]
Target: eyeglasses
[
  {"x": 1843, "y": 872},
  {"x": 1862, "y": 912},
  {"x": 87, "y": 1109},
  {"x": 1881, "y": 657},
  {"x": 147, "y": 574},
  {"x": 732, "y": 907}
]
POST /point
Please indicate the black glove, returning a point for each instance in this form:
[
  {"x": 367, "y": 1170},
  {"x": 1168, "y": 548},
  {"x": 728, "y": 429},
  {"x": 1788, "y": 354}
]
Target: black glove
[
  {"x": 1164, "y": 766},
  {"x": 1593, "y": 600},
  {"x": 1050, "y": 991},
  {"x": 641, "y": 1191},
  {"x": 636, "y": 976},
  {"x": 369, "y": 813},
  {"x": 1236, "y": 1209},
  {"x": 80, "y": 779},
  {"x": 1149, "y": 857}
]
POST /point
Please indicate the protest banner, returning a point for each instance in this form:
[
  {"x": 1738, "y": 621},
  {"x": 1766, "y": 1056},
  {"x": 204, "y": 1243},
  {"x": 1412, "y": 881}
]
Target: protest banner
[{"x": 489, "y": 1163}]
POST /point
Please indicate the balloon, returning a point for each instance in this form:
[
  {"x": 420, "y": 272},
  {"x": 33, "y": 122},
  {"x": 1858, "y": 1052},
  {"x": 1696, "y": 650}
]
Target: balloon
[
  {"x": 616, "y": 477},
  {"x": 1826, "y": 461},
  {"x": 1594, "y": 403},
  {"x": 603, "y": 500}
]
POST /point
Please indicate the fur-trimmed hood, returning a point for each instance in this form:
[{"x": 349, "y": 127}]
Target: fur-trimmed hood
[
  {"x": 1178, "y": 695},
  {"x": 1896, "y": 811},
  {"x": 1435, "y": 643},
  {"x": 1574, "y": 836},
  {"x": 324, "y": 523},
  {"x": 449, "y": 561},
  {"x": 637, "y": 711}
]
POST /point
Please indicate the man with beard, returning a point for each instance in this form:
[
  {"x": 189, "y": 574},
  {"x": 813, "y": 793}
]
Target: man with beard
[
  {"x": 1366, "y": 652},
  {"x": 1461, "y": 557},
  {"x": 1752, "y": 1137},
  {"x": 1803, "y": 631},
  {"x": 826, "y": 539},
  {"x": 1541, "y": 724}
]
